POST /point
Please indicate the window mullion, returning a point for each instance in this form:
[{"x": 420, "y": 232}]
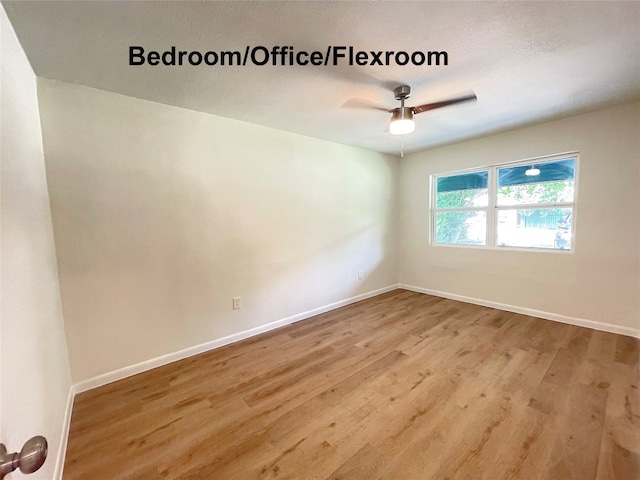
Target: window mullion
[
  {"x": 460, "y": 209},
  {"x": 491, "y": 210},
  {"x": 524, "y": 206}
]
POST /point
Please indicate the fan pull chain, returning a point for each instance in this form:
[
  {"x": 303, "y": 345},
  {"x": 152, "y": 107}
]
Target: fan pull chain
[{"x": 401, "y": 146}]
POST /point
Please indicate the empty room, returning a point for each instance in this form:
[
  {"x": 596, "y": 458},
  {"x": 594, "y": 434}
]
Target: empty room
[{"x": 351, "y": 240}]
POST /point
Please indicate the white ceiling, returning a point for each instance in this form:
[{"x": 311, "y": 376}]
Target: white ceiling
[{"x": 526, "y": 61}]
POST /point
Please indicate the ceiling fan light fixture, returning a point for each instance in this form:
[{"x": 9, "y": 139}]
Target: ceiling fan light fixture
[
  {"x": 402, "y": 121},
  {"x": 532, "y": 172}
]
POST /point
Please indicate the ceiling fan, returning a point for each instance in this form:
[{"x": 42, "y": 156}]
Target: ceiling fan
[{"x": 402, "y": 118}]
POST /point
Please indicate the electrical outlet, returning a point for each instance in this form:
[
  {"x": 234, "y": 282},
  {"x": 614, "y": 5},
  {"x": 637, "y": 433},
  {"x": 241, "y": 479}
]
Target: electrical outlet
[
  {"x": 359, "y": 274},
  {"x": 236, "y": 303}
]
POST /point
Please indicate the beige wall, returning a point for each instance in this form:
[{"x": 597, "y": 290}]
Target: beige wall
[
  {"x": 162, "y": 215},
  {"x": 35, "y": 378},
  {"x": 600, "y": 282}
]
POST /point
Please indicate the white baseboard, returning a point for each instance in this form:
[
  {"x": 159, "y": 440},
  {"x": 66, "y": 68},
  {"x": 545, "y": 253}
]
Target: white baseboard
[
  {"x": 580, "y": 322},
  {"x": 205, "y": 347},
  {"x": 64, "y": 436},
  {"x": 213, "y": 344},
  {"x": 125, "y": 372}
]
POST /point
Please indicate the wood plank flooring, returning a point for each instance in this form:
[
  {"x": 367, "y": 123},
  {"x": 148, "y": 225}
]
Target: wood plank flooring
[{"x": 400, "y": 386}]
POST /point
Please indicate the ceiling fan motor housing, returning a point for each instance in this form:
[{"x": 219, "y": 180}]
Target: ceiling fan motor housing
[{"x": 402, "y": 113}]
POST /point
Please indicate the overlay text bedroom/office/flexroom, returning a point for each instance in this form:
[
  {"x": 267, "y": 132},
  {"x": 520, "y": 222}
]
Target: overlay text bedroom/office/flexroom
[{"x": 286, "y": 56}]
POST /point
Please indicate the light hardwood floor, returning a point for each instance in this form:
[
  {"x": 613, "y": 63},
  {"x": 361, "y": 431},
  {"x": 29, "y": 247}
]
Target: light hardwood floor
[{"x": 401, "y": 386}]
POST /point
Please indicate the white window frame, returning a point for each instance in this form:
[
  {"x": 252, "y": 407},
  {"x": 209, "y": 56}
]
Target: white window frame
[{"x": 492, "y": 209}]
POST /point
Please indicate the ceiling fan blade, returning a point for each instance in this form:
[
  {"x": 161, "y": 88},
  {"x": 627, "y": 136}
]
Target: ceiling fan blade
[
  {"x": 360, "y": 103},
  {"x": 445, "y": 103}
]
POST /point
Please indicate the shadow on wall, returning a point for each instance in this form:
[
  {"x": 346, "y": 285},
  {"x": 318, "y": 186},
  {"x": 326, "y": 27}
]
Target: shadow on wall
[{"x": 150, "y": 259}]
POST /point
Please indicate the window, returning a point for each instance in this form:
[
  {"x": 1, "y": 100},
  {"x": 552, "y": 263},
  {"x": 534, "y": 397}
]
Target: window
[
  {"x": 528, "y": 204},
  {"x": 461, "y": 208}
]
